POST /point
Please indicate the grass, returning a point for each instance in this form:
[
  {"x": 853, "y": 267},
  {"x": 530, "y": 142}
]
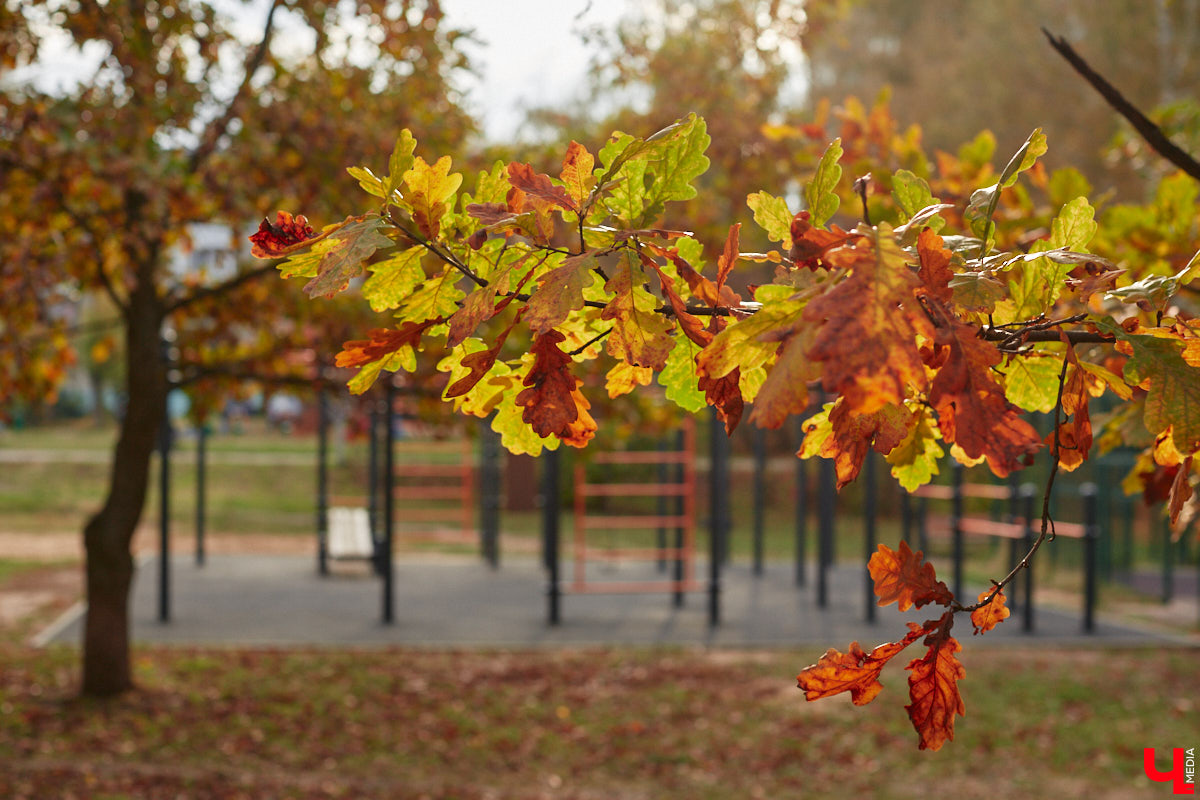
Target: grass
[{"x": 598, "y": 723}]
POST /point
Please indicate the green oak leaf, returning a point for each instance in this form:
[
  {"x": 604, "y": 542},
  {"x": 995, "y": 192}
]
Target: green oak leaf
[
  {"x": 772, "y": 215},
  {"x": 438, "y": 296},
  {"x": 1032, "y": 381},
  {"x": 915, "y": 460},
  {"x": 561, "y": 292},
  {"x": 394, "y": 279},
  {"x": 679, "y": 377},
  {"x": 820, "y": 194}
]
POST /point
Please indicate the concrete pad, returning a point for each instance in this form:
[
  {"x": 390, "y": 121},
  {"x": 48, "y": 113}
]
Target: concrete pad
[{"x": 451, "y": 602}]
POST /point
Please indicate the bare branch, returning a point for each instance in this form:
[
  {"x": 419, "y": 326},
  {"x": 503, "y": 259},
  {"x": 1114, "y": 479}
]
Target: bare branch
[
  {"x": 212, "y": 134},
  {"x": 222, "y": 288},
  {"x": 1141, "y": 123}
]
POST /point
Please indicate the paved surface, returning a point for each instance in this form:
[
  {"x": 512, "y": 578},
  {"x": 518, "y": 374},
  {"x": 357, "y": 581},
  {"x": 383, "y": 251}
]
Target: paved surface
[{"x": 281, "y": 601}]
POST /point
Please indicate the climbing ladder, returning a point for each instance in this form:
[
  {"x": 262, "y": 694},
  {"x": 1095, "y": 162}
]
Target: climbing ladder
[{"x": 674, "y": 484}]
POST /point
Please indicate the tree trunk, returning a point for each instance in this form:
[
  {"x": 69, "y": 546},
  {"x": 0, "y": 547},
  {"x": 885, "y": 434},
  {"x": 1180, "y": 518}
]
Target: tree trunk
[{"x": 108, "y": 536}]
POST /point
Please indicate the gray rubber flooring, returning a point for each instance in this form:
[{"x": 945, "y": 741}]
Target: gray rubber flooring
[{"x": 282, "y": 601}]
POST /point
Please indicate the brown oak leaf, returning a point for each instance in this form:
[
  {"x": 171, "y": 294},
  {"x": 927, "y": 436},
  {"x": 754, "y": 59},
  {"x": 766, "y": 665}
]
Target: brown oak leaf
[
  {"x": 906, "y": 578},
  {"x": 855, "y": 671},
  {"x": 810, "y": 244},
  {"x": 551, "y": 400},
  {"x": 933, "y": 688},
  {"x": 935, "y": 272},
  {"x": 989, "y": 616},
  {"x": 383, "y": 342}
]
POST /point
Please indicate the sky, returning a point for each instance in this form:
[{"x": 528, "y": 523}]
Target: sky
[{"x": 527, "y": 53}]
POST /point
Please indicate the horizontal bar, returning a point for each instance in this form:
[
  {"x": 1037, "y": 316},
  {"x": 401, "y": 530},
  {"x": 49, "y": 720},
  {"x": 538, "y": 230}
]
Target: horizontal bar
[
  {"x": 429, "y": 492},
  {"x": 630, "y": 587},
  {"x": 989, "y": 527},
  {"x": 432, "y": 470},
  {"x": 632, "y": 553},
  {"x": 447, "y": 514},
  {"x": 634, "y": 489},
  {"x": 642, "y": 457},
  {"x": 634, "y": 521},
  {"x": 988, "y": 491}
]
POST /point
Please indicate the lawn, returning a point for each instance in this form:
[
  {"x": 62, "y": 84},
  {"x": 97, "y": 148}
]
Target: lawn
[{"x": 403, "y": 724}]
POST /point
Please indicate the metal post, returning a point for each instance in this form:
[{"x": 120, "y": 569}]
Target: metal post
[
  {"x": 906, "y": 517},
  {"x": 760, "y": 496},
  {"x": 718, "y": 486},
  {"x": 660, "y": 508},
  {"x": 373, "y": 431},
  {"x": 681, "y": 475},
  {"x": 1089, "y": 493},
  {"x": 801, "y": 506},
  {"x": 869, "y": 536},
  {"x": 201, "y": 471},
  {"x": 1168, "y": 564},
  {"x": 550, "y": 532},
  {"x": 956, "y": 521},
  {"x": 489, "y": 494},
  {"x": 1028, "y": 493},
  {"x": 164, "y": 517},
  {"x": 827, "y": 497},
  {"x": 386, "y": 567},
  {"x": 322, "y": 481}
]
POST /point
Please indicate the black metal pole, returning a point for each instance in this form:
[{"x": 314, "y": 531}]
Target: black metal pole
[
  {"x": 1168, "y": 565},
  {"x": 164, "y": 516},
  {"x": 718, "y": 486},
  {"x": 386, "y": 566},
  {"x": 322, "y": 482},
  {"x": 1028, "y": 493},
  {"x": 680, "y": 476},
  {"x": 660, "y": 507},
  {"x": 801, "y": 506},
  {"x": 489, "y": 494},
  {"x": 956, "y": 520},
  {"x": 826, "y": 498},
  {"x": 201, "y": 472},
  {"x": 373, "y": 432},
  {"x": 760, "y": 496},
  {"x": 1089, "y": 495},
  {"x": 869, "y": 533},
  {"x": 549, "y": 500}
]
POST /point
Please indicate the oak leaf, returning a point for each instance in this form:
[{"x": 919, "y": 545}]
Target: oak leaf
[
  {"x": 972, "y": 409},
  {"x": 933, "y": 688},
  {"x": 640, "y": 335},
  {"x": 560, "y": 293},
  {"x": 285, "y": 235},
  {"x": 551, "y": 402},
  {"x": 851, "y": 436},
  {"x": 906, "y": 578},
  {"x": 353, "y": 244},
  {"x": 989, "y": 616},
  {"x": 810, "y": 243},
  {"x": 576, "y": 174},
  {"x": 867, "y": 331},
  {"x": 383, "y": 342},
  {"x": 724, "y": 394},
  {"x": 855, "y": 671},
  {"x": 429, "y": 188},
  {"x": 935, "y": 260},
  {"x": 540, "y": 186}
]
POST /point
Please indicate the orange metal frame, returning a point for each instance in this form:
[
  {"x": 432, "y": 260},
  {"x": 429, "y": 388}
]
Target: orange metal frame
[
  {"x": 584, "y": 522},
  {"x": 424, "y": 484}
]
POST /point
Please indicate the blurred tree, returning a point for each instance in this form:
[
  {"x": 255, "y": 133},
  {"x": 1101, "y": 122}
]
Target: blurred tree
[
  {"x": 958, "y": 68},
  {"x": 187, "y": 116},
  {"x": 732, "y": 62}
]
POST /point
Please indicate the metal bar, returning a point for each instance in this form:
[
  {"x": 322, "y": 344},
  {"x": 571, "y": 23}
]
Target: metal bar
[
  {"x": 665, "y": 488},
  {"x": 1028, "y": 493},
  {"x": 579, "y": 551},
  {"x": 631, "y": 587},
  {"x": 956, "y": 518},
  {"x": 550, "y": 533},
  {"x": 869, "y": 534},
  {"x": 373, "y": 468},
  {"x": 801, "y": 507},
  {"x": 201, "y": 492},
  {"x": 1168, "y": 565},
  {"x": 386, "y": 567},
  {"x": 639, "y": 457},
  {"x": 718, "y": 485},
  {"x": 660, "y": 506},
  {"x": 685, "y": 508},
  {"x": 489, "y": 493},
  {"x": 1089, "y": 494},
  {"x": 760, "y": 496},
  {"x": 322, "y": 482},
  {"x": 827, "y": 492}
]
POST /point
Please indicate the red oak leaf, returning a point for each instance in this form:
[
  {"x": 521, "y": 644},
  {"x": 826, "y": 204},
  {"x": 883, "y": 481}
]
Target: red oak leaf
[
  {"x": 933, "y": 688},
  {"x": 285, "y": 235},
  {"x": 539, "y": 185},
  {"x": 856, "y": 671},
  {"x": 903, "y": 576},
  {"x": 383, "y": 342},
  {"x": 552, "y": 403},
  {"x": 809, "y": 244}
]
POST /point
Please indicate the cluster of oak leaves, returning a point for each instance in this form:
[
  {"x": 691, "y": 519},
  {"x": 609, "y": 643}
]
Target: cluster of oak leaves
[{"x": 923, "y": 340}]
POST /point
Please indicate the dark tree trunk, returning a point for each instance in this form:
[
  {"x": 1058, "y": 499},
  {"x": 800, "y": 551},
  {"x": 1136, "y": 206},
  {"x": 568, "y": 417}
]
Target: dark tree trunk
[{"x": 108, "y": 537}]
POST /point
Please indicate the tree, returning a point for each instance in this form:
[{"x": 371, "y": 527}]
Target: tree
[
  {"x": 182, "y": 121},
  {"x": 935, "y": 326}
]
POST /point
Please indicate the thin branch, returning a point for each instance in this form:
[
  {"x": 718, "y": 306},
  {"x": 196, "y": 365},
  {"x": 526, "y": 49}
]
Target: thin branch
[
  {"x": 432, "y": 247},
  {"x": 1047, "y": 531},
  {"x": 222, "y": 288},
  {"x": 597, "y": 338},
  {"x": 1140, "y": 122},
  {"x": 212, "y": 134}
]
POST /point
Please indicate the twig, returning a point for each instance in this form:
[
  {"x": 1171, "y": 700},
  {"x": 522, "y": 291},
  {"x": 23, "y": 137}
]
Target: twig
[
  {"x": 1140, "y": 122},
  {"x": 597, "y": 338},
  {"x": 222, "y": 288}
]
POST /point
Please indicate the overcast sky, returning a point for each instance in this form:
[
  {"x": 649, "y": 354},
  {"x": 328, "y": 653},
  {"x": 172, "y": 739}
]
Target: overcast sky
[{"x": 527, "y": 53}]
